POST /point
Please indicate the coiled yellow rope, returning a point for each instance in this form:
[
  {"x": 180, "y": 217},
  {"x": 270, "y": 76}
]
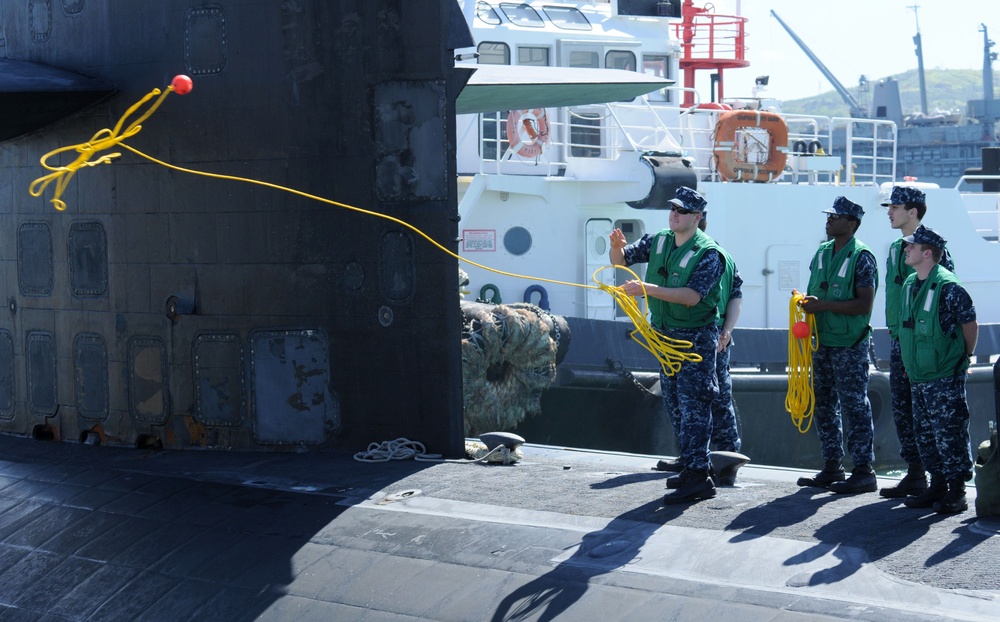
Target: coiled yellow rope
[
  {"x": 800, "y": 399},
  {"x": 666, "y": 350}
]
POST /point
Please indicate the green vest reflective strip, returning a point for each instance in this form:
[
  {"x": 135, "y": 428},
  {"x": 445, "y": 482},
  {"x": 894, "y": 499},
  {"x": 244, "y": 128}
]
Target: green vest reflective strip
[
  {"x": 832, "y": 278},
  {"x": 929, "y": 353},
  {"x": 672, "y": 267}
]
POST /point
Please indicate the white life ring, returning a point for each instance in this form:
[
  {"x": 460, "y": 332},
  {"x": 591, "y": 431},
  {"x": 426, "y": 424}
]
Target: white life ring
[{"x": 528, "y": 131}]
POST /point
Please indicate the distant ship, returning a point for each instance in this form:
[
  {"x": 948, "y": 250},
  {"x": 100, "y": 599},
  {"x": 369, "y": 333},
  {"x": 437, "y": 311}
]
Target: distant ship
[{"x": 932, "y": 147}]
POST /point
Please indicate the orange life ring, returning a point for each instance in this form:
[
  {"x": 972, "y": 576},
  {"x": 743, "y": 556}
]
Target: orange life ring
[
  {"x": 527, "y": 131},
  {"x": 740, "y": 145}
]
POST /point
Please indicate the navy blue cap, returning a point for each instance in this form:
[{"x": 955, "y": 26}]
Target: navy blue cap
[
  {"x": 689, "y": 199},
  {"x": 843, "y": 207},
  {"x": 925, "y": 235},
  {"x": 901, "y": 195}
]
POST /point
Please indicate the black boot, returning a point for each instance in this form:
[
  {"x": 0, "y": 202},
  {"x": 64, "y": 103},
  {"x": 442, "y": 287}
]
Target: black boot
[
  {"x": 862, "y": 479},
  {"x": 934, "y": 493},
  {"x": 676, "y": 481},
  {"x": 954, "y": 500},
  {"x": 697, "y": 486},
  {"x": 832, "y": 472},
  {"x": 913, "y": 483},
  {"x": 670, "y": 464}
]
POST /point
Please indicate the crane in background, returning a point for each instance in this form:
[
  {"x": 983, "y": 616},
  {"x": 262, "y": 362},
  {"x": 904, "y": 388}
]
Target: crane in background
[{"x": 858, "y": 111}]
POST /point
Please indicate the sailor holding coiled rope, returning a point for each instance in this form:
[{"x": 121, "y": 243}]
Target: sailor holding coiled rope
[
  {"x": 841, "y": 292},
  {"x": 684, "y": 269}
]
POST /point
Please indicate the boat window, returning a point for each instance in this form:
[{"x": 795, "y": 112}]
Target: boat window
[
  {"x": 567, "y": 18},
  {"x": 585, "y": 135},
  {"x": 657, "y": 65},
  {"x": 582, "y": 58},
  {"x": 620, "y": 60},
  {"x": 517, "y": 241},
  {"x": 522, "y": 15},
  {"x": 539, "y": 57},
  {"x": 493, "y": 53},
  {"x": 487, "y": 13},
  {"x": 493, "y": 130}
]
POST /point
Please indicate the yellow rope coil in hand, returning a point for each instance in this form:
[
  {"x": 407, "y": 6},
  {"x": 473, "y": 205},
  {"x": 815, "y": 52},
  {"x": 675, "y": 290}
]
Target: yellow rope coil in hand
[
  {"x": 802, "y": 342},
  {"x": 668, "y": 351}
]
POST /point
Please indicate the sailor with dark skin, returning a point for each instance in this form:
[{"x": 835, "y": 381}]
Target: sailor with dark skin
[
  {"x": 841, "y": 292},
  {"x": 685, "y": 267}
]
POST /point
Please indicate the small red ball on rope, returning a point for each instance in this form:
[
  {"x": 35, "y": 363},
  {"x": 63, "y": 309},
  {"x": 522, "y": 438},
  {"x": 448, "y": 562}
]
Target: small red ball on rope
[
  {"x": 182, "y": 84},
  {"x": 800, "y": 330}
]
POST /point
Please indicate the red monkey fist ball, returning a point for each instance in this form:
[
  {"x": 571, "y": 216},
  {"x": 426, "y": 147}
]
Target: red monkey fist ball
[
  {"x": 800, "y": 330},
  {"x": 182, "y": 84}
]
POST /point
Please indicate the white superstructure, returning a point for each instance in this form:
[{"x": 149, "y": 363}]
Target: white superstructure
[{"x": 542, "y": 199}]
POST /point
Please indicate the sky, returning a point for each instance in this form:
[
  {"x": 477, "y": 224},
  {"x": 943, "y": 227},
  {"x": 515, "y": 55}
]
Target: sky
[{"x": 852, "y": 38}]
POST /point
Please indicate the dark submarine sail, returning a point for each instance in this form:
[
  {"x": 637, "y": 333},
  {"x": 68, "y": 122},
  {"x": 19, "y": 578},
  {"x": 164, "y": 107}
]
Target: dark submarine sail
[{"x": 163, "y": 308}]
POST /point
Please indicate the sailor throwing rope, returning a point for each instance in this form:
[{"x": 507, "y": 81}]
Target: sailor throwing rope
[{"x": 682, "y": 287}]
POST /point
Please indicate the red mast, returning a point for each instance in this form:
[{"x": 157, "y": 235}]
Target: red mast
[{"x": 709, "y": 41}]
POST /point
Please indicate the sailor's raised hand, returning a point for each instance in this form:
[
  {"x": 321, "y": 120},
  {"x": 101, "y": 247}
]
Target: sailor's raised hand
[{"x": 618, "y": 239}]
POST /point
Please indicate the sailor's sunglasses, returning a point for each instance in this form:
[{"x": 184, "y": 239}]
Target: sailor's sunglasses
[{"x": 681, "y": 210}]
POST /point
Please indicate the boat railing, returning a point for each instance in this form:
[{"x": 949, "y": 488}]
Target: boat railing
[
  {"x": 983, "y": 207},
  {"x": 581, "y": 141},
  {"x": 869, "y": 149},
  {"x": 974, "y": 179}
]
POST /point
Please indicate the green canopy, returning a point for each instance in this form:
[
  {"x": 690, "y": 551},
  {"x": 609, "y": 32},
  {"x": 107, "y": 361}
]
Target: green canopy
[{"x": 493, "y": 88}]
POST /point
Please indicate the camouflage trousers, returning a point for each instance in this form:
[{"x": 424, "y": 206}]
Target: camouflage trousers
[
  {"x": 941, "y": 426},
  {"x": 689, "y": 393},
  {"x": 902, "y": 405},
  {"x": 725, "y": 432},
  {"x": 840, "y": 382}
]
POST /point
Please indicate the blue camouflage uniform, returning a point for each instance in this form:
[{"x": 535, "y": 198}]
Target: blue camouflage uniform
[
  {"x": 840, "y": 368},
  {"x": 940, "y": 409},
  {"x": 725, "y": 432},
  {"x": 689, "y": 393},
  {"x": 901, "y": 396}
]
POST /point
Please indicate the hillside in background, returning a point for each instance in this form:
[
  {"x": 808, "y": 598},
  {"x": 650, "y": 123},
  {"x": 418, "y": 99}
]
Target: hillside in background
[{"x": 947, "y": 89}]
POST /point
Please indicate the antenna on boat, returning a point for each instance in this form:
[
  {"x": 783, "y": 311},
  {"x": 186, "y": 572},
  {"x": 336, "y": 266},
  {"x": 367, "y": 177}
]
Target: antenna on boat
[{"x": 920, "y": 60}]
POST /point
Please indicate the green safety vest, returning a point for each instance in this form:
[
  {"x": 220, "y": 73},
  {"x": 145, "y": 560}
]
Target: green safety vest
[
  {"x": 832, "y": 278},
  {"x": 672, "y": 267},
  {"x": 928, "y": 352},
  {"x": 896, "y": 273}
]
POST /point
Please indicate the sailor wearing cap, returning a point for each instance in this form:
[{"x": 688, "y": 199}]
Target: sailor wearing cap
[
  {"x": 685, "y": 267},
  {"x": 906, "y": 207},
  {"x": 841, "y": 292},
  {"x": 938, "y": 331}
]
